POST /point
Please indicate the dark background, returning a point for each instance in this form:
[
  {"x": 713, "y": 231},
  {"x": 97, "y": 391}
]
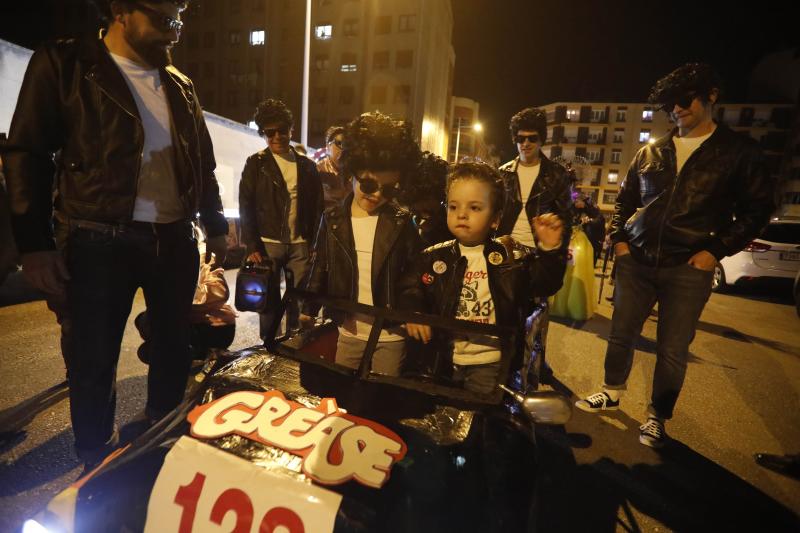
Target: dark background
[{"x": 515, "y": 53}]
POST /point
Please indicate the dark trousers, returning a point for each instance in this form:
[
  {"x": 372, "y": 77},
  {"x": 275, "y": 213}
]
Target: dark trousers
[
  {"x": 107, "y": 266},
  {"x": 681, "y": 293},
  {"x": 293, "y": 258}
]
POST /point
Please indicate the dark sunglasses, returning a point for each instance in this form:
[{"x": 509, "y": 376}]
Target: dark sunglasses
[
  {"x": 159, "y": 19},
  {"x": 684, "y": 102},
  {"x": 270, "y": 132},
  {"x": 519, "y": 139},
  {"x": 337, "y": 142},
  {"x": 371, "y": 186}
]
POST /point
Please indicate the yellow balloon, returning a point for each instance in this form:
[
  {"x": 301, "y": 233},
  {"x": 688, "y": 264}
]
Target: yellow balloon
[{"x": 575, "y": 299}]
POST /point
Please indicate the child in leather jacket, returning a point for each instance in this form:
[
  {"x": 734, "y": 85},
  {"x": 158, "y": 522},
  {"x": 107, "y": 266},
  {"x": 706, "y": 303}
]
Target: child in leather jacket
[
  {"x": 479, "y": 278},
  {"x": 364, "y": 243}
]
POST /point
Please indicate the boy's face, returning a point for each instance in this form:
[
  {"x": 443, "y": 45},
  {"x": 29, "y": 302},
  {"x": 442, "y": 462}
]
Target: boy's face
[
  {"x": 372, "y": 189},
  {"x": 470, "y": 214}
]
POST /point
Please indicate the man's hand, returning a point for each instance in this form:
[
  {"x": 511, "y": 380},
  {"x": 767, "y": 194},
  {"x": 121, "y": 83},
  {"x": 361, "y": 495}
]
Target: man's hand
[
  {"x": 549, "y": 230},
  {"x": 218, "y": 246},
  {"x": 46, "y": 271},
  {"x": 703, "y": 260},
  {"x": 621, "y": 248},
  {"x": 420, "y": 332},
  {"x": 306, "y": 321}
]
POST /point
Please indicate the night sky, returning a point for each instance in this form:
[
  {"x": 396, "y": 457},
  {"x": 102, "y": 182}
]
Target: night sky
[
  {"x": 537, "y": 52},
  {"x": 515, "y": 53}
]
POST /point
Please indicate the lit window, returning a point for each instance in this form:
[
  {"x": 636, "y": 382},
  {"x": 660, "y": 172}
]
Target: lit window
[
  {"x": 647, "y": 115},
  {"x": 644, "y": 136},
  {"x": 348, "y": 63},
  {"x": 349, "y": 68},
  {"x": 613, "y": 176},
  {"x": 407, "y": 23},
  {"x": 572, "y": 114},
  {"x": 323, "y": 32},
  {"x": 257, "y": 37}
]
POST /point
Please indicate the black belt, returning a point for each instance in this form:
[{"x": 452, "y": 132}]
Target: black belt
[{"x": 135, "y": 226}]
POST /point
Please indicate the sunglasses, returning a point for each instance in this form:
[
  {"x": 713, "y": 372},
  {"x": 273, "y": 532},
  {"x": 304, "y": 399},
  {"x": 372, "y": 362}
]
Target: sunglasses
[
  {"x": 336, "y": 142},
  {"x": 159, "y": 19},
  {"x": 270, "y": 132},
  {"x": 684, "y": 102},
  {"x": 520, "y": 139},
  {"x": 371, "y": 186}
]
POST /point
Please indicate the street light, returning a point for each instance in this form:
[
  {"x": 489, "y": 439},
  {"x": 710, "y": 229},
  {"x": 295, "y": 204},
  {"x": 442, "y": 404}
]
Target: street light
[{"x": 477, "y": 128}]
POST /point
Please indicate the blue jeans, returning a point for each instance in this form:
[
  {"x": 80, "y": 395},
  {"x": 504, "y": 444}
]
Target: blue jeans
[
  {"x": 681, "y": 292},
  {"x": 106, "y": 269}
]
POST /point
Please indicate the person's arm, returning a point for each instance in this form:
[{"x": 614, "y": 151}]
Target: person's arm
[
  {"x": 412, "y": 297},
  {"x": 755, "y": 203},
  {"x": 316, "y": 279},
  {"x": 211, "y": 212},
  {"x": 628, "y": 200},
  {"x": 248, "y": 217},
  {"x": 37, "y": 132}
]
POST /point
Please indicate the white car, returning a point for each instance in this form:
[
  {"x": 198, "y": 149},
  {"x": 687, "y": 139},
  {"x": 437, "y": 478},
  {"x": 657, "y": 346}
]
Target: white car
[{"x": 774, "y": 254}]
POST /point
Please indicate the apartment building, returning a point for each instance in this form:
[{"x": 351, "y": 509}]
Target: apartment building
[
  {"x": 601, "y": 138},
  {"x": 395, "y": 56},
  {"x": 466, "y": 131}
]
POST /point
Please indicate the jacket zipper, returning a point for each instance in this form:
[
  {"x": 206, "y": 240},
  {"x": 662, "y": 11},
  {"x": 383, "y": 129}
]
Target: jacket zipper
[{"x": 349, "y": 259}]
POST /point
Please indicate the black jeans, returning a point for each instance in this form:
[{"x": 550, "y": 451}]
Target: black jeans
[
  {"x": 681, "y": 292},
  {"x": 107, "y": 266}
]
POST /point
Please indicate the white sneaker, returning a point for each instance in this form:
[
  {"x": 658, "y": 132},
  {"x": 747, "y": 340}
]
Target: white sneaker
[{"x": 652, "y": 433}]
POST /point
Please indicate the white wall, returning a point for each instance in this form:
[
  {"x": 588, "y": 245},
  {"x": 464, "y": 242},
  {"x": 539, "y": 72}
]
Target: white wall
[{"x": 13, "y": 62}]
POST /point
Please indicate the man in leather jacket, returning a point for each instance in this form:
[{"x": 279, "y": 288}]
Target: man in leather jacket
[
  {"x": 534, "y": 184},
  {"x": 135, "y": 165},
  {"x": 280, "y": 203},
  {"x": 698, "y": 194}
]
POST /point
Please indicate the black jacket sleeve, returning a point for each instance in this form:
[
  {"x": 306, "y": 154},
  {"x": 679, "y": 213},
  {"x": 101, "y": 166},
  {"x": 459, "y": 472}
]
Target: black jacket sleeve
[
  {"x": 36, "y": 133},
  {"x": 546, "y": 272},
  {"x": 211, "y": 213},
  {"x": 628, "y": 201},
  {"x": 248, "y": 215},
  {"x": 755, "y": 202}
]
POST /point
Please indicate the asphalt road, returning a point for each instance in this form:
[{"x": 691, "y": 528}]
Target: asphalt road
[{"x": 741, "y": 396}]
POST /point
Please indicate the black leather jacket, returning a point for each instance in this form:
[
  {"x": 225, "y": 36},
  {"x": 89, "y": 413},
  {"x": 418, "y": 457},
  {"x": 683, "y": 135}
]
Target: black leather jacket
[
  {"x": 75, "y": 101},
  {"x": 333, "y": 271},
  {"x": 720, "y": 200},
  {"x": 522, "y": 274},
  {"x": 264, "y": 200},
  {"x": 551, "y": 193}
]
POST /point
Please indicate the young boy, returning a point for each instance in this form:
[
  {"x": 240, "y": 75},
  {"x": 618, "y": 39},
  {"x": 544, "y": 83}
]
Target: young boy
[
  {"x": 496, "y": 277},
  {"x": 364, "y": 243}
]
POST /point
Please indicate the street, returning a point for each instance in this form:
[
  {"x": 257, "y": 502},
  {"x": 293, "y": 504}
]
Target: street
[{"x": 741, "y": 396}]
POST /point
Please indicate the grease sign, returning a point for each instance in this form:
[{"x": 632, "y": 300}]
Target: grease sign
[{"x": 335, "y": 446}]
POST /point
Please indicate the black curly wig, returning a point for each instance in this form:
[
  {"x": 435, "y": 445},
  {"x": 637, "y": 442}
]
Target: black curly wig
[
  {"x": 483, "y": 172},
  {"x": 530, "y": 119},
  {"x": 699, "y": 78},
  {"x": 427, "y": 181},
  {"x": 103, "y": 7},
  {"x": 376, "y": 142},
  {"x": 272, "y": 111}
]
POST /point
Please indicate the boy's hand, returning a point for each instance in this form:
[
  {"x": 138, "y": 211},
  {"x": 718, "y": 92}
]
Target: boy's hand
[
  {"x": 549, "y": 230},
  {"x": 306, "y": 321},
  {"x": 420, "y": 332}
]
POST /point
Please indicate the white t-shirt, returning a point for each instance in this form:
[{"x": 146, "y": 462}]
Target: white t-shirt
[
  {"x": 359, "y": 326},
  {"x": 475, "y": 305},
  {"x": 684, "y": 147},
  {"x": 288, "y": 170},
  {"x": 157, "y": 198},
  {"x": 522, "y": 227}
]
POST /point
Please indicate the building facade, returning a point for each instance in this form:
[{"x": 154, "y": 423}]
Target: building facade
[
  {"x": 466, "y": 131},
  {"x": 395, "y": 56},
  {"x": 601, "y": 138}
]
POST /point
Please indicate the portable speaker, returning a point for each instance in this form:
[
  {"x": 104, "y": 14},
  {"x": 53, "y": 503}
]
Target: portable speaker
[{"x": 252, "y": 288}]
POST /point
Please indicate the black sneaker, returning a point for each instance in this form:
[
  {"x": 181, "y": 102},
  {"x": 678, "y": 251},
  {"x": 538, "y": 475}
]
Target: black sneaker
[
  {"x": 652, "y": 433},
  {"x": 600, "y": 401}
]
